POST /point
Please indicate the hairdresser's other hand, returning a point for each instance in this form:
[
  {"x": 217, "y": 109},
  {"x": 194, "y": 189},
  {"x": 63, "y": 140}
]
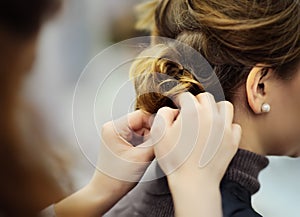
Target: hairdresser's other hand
[
  {"x": 194, "y": 146},
  {"x": 123, "y": 157},
  {"x": 120, "y": 165}
]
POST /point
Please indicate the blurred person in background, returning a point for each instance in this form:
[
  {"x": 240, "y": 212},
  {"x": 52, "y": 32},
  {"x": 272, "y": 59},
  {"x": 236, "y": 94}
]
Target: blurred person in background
[
  {"x": 30, "y": 168},
  {"x": 24, "y": 172}
]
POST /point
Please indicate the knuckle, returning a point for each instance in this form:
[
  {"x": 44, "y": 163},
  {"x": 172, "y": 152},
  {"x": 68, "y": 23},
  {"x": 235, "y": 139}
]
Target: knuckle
[
  {"x": 208, "y": 96},
  {"x": 163, "y": 111},
  {"x": 228, "y": 106},
  {"x": 203, "y": 94}
]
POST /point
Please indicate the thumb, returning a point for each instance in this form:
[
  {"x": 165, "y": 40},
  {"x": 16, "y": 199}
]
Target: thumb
[{"x": 163, "y": 120}]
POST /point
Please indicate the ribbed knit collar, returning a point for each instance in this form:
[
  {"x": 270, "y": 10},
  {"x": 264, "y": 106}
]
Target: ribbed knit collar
[{"x": 245, "y": 168}]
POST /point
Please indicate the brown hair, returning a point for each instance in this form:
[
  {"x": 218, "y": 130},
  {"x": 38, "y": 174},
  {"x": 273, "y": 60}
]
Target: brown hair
[
  {"x": 27, "y": 183},
  {"x": 233, "y": 35},
  {"x": 159, "y": 74}
]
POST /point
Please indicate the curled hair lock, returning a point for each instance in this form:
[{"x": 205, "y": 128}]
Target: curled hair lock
[{"x": 158, "y": 76}]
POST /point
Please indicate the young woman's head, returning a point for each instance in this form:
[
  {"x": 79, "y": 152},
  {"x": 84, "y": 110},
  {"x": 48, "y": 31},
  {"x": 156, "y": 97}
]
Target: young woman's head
[{"x": 254, "y": 48}]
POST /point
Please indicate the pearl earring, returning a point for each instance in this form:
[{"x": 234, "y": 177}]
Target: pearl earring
[{"x": 265, "y": 108}]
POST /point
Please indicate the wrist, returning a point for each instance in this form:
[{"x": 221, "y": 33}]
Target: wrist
[
  {"x": 193, "y": 180},
  {"x": 193, "y": 186},
  {"x": 195, "y": 197},
  {"x": 109, "y": 187}
]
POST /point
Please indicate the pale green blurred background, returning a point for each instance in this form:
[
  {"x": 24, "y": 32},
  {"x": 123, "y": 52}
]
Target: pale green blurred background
[{"x": 68, "y": 43}]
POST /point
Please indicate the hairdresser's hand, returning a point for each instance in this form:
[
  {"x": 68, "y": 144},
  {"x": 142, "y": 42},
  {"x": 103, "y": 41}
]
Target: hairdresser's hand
[
  {"x": 123, "y": 154},
  {"x": 199, "y": 138},
  {"x": 119, "y": 167},
  {"x": 194, "y": 146}
]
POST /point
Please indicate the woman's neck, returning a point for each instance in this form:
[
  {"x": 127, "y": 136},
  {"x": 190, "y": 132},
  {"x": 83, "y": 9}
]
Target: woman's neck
[
  {"x": 251, "y": 143},
  {"x": 250, "y": 139}
]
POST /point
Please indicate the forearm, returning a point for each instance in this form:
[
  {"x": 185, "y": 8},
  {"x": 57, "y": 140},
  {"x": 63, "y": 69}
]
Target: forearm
[
  {"x": 82, "y": 203},
  {"x": 93, "y": 200},
  {"x": 197, "y": 199}
]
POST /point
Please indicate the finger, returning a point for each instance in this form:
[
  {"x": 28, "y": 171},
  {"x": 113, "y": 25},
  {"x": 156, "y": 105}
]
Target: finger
[
  {"x": 124, "y": 162},
  {"x": 135, "y": 121},
  {"x": 164, "y": 118},
  {"x": 139, "y": 136},
  {"x": 237, "y": 135},
  {"x": 205, "y": 97},
  {"x": 186, "y": 102},
  {"x": 208, "y": 99},
  {"x": 226, "y": 111},
  {"x": 142, "y": 132},
  {"x": 167, "y": 114},
  {"x": 138, "y": 120},
  {"x": 151, "y": 120}
]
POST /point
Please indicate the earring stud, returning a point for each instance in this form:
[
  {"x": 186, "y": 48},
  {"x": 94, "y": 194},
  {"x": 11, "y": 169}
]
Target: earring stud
[{"x": 265, "y": 108}]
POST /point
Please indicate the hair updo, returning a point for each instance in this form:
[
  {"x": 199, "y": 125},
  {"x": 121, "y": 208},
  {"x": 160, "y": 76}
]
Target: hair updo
[
  {"x": 233, "y": 35},
  {"x": 159, "y": 75}
]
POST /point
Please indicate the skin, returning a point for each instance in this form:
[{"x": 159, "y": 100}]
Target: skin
[{"x": 276, "y": 132}]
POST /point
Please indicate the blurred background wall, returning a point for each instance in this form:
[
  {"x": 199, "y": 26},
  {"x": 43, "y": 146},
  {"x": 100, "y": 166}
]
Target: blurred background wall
[{"x": 67, "y": 44}]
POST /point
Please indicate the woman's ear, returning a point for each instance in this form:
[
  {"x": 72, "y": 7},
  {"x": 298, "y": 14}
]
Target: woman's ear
[{"x": 256, "y": 88}]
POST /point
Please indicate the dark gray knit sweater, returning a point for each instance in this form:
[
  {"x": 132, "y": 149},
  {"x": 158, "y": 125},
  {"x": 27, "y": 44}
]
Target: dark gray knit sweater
[{"x": 153, "y": 198}]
